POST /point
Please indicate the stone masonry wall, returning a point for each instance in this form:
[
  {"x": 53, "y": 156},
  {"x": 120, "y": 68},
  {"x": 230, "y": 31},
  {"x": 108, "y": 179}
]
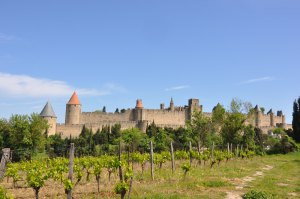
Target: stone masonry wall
[
  {"x": 67, "y": 130},
  {"x": 96, "y": 117},
  {"x": 166, "y": 117},
  {"x": 75, "y": 130}
]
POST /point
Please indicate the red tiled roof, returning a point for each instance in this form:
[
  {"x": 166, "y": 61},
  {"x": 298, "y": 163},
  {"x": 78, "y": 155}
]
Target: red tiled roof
[{"x": 74, "y": 99}]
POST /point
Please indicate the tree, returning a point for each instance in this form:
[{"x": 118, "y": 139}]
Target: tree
[
  {"x": 233, "y": 127},
  {"x": 117, "y": 110},
  {"x": 115, "y": 133},
  {"x": 200, "y": 126},
  {"x": 37, "y": 131},
  {"x": 296, "y": 120},
  {"x": 248, "y": 137},
  {"x": 218, "y": 117},
  {"x": 104, "y": 109},
  {"x": 132, "y": 137},
  {"x": 5, "y": 130}
]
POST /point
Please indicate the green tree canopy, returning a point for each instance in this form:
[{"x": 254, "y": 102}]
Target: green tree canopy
[{"x": 296, "y": 120}]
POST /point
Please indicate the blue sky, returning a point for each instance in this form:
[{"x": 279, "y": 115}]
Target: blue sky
[{"x": 113, "y": 52}]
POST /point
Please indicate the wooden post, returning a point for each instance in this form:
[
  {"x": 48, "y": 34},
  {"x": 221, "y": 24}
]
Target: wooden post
[
  {"x": 191, "y": 156},
  {"x": 71, "y": 165},
  {"x": 212, "y": 151},
  {"x": 151, "y": 160},
  {"x": 228, "y": 148},
  {"x": 172, "y": 158},
  {"x": 120, "y": 167},
  {"x": 237, "y": 151},
  {"x": 5, "y": 158},
  {"x": 199, "y": 147}
]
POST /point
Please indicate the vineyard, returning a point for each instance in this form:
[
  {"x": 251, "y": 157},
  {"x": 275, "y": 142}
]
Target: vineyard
[{"x": 107, "y": 176}]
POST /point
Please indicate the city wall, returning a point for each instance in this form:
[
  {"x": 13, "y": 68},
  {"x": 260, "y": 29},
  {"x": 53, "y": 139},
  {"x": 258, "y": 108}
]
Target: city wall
[
  {"x": 96, "y": 117},
  {"x": 166, "y": 117},
  {"x": 75, "y": 129}
]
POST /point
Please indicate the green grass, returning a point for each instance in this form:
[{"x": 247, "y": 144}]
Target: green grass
[{"x": 282, "y": 180}]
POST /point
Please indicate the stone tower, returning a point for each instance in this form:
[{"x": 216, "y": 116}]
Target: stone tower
[
  {"x": 73, "y": 110},
  {"x": 172, "y": 108},
  {"x": 138, "y": 111},
  {"x": 258, "y": 116},
  {"x": 193, "y": 106},
  {"x": 49, "y": 115},
  {"x": 272, "y": 120}
]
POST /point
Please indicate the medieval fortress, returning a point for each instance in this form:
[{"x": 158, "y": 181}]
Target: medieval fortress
[{"x": 172, "y": 116}]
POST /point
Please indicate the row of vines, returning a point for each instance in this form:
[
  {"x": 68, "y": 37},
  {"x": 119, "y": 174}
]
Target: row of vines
[{"x": 36, "y": 173}]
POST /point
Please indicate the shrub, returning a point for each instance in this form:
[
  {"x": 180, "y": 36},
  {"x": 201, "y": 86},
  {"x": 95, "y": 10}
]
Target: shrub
[{"x": 257, "y": 195}]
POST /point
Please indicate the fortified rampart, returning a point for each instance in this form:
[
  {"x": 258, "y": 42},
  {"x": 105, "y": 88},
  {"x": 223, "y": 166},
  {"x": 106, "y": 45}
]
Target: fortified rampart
[{"x": 172, "y": 117}]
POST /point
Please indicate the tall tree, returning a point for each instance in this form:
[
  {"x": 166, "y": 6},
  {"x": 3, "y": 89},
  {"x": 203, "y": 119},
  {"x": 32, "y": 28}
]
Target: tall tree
[
  {"x": 201, "y": 127},
  {"x": 218, "y": 117},
  {"x": 296, "y": 120}
]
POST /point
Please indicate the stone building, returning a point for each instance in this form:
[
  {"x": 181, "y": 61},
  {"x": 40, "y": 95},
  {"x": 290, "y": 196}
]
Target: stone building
[{"x": 140, "y": 117}]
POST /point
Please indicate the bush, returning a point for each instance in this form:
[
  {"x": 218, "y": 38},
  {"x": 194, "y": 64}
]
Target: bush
[
  {"x": 257, "y": 195},
  {"x": 286, "y": 145}
]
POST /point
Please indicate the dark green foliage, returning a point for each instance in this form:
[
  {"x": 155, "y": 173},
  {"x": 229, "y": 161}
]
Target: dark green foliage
[
  {"x": 257, "y": 195},
  {"x": 104, "y": 109},
  {"x": 285, "y": 145},
  {"x": 24, "y": 134},
  {"x": 133, "y": 138},
  {"x": 200, "y": 127},
  {"x": 56, "y": 146},
  {"x": 233, "y": 127},
  {"x": 296, "y": 120},
  {"x": 248, "y": 137}
]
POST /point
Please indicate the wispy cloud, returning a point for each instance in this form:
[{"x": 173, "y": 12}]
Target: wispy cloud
[
  {"x": 26, "y": 86},
  {"x": 5, "y": 37},
  {"x": 177, "y": 88},
  {"x": 261, "y": 79}
]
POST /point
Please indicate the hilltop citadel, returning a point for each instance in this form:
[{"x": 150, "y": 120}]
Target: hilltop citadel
[{"x": 172, "y": 116}]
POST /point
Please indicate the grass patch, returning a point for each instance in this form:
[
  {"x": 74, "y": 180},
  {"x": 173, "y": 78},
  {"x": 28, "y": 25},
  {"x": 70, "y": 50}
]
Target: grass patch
[{"x": 215, "y": 184}]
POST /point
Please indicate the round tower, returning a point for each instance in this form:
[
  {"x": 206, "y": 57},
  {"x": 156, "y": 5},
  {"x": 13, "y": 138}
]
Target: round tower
[
  {"x": 49, "y": 115},
  {"x": 283, "y": 122},
  {"x": 272, "y": 120},
  {"x": 258, "y": 116},
  {"x": 139, "y": 114},
  {"x": 172, "y": 104},
  {"x": 73, "y": 110}
]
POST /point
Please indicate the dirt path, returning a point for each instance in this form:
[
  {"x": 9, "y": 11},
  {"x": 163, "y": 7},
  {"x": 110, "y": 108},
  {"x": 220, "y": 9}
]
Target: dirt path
[{"x": 244, "y": 182}]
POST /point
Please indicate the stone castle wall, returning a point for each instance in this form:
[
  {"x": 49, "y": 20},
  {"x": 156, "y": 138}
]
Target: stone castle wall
[
  {"x": 166, "y": 117},
  {"x": 67, "y": 130},
  {"x": 96, "y": 117},
  {"x": 75, "y": 129}
]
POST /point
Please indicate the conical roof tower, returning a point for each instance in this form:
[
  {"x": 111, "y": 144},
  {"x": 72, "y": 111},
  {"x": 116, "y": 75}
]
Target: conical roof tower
[
  {"x": 47, "y": 111},
  {"x": 49, "y": 115},
  {"x": 74, "y": 99},
  {"x": 73, "y": 110}
]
